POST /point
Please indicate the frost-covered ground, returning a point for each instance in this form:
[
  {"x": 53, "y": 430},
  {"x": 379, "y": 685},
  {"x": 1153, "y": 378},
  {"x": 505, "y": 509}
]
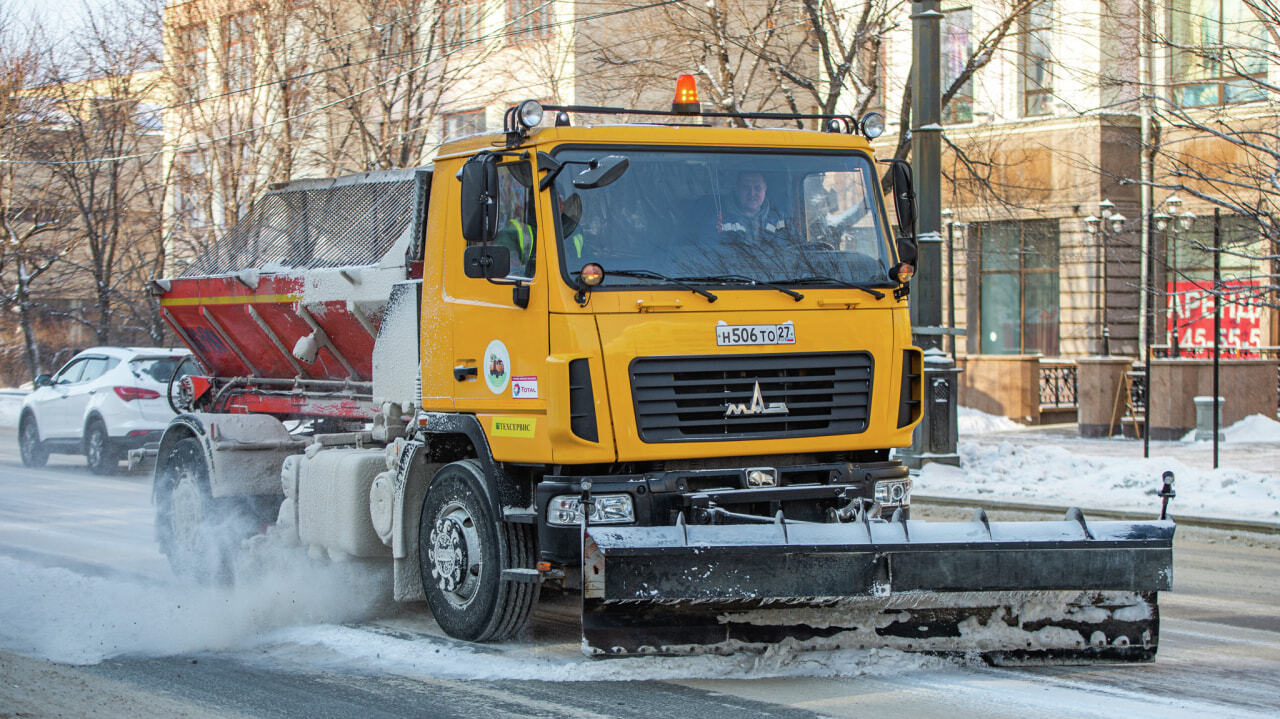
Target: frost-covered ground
[
  {"x": 1002, "y": 460},
  {"x": 81, "y": 581}
]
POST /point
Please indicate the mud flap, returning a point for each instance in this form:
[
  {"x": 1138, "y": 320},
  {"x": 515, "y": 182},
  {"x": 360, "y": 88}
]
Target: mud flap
[{"x": 1012, "y": 592}]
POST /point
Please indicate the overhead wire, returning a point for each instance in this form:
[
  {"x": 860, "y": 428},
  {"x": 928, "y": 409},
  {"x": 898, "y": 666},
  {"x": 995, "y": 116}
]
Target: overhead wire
[{"x": 488, "y": 37}]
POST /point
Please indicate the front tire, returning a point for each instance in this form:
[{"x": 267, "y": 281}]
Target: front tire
[
  {"x": 462, "y": 551},
  {"x": 33, "y": 451},
  {"x": 197, "y": 532},
  {"x": 103, "y": 457}
]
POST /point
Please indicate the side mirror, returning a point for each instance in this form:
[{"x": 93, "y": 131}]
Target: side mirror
[
  {"x": 479, "y": 202},
  {"x": 904, "y": 204},
  {"x": 43, "y": 380},
  {"x": 601, "y": 171},
  {"x": 570, "y": 214},
  {"x": 486, "y": 261}
]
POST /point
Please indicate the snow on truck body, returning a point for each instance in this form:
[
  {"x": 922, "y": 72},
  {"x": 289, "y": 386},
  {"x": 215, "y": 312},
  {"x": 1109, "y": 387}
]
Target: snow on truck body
[{"x": 662, "y": 363}]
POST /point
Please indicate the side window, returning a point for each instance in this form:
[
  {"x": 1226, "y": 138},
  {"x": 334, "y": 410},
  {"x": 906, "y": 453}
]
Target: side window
[
  {"x": 71, "y": 373},
  {"x": 516, "y": 224},
  {"x": 94, "y": 368},
  {"x": 839, "y": 212}
]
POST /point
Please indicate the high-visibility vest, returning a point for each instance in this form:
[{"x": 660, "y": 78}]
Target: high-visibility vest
[
  {"x": 577, "y": 243},
  {"x": 524, "y": 234}
]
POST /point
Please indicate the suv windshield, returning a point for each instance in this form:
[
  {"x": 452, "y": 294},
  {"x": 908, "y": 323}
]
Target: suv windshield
[{"x": 700, "y": 215}]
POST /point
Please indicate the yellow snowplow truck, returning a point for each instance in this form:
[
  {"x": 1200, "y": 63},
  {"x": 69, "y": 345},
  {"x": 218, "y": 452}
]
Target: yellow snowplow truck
[{"x": 662, "y": 363}]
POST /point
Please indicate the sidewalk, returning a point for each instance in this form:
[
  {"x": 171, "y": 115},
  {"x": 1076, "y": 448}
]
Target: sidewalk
[{"x": 1052, "y": 465}]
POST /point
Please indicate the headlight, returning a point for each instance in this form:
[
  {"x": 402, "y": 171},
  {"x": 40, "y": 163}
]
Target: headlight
[
  {"x": 895, "y": 491},
  {"x": 872, "y": 125},
  {"x": 529, "y": 113},
  {"x": 566, "y": 510}
]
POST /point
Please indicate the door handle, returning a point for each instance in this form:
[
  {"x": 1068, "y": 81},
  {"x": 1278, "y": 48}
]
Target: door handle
[{"x": 462, "y": 374}]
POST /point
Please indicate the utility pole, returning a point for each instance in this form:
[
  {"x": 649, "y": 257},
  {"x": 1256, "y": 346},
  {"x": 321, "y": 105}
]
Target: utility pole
[{"x": 935, "y": 436}]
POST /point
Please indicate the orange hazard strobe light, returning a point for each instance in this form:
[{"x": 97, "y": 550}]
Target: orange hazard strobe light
[{"x": 686, "y": 99}]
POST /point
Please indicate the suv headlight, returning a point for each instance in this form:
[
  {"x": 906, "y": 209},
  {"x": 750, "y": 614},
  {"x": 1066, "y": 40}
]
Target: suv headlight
[
  {"x": 565, "y": 510},
  {"x": 894, "y": 491}
]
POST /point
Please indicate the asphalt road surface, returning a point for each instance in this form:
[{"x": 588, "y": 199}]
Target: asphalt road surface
[{"x": 1219, "y": 644}]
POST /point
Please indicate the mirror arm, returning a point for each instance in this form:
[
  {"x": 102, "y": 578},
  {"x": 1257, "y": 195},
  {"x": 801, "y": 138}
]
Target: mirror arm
[{"x": 553, "y": 168}]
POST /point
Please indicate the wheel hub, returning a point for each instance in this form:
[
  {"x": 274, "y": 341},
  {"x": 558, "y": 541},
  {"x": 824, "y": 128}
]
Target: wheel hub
[{"x": 454, "y": 554}]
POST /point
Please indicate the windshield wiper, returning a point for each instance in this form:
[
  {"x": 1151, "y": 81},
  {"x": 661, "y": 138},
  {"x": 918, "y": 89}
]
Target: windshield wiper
[
  {"x": 831, "y": 280},
  {"x": 651, "y": 275},
  {"x": 744, "y": 280}
]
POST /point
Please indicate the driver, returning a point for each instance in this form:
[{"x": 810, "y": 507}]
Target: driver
[{"x": 751, "y": 218}]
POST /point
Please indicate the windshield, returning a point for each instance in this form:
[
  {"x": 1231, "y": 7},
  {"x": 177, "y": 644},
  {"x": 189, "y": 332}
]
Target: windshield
[{"x": 706, "y": 216}]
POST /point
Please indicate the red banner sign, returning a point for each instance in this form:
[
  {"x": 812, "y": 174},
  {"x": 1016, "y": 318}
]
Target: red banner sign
[{"x": 1243, "y": 318}]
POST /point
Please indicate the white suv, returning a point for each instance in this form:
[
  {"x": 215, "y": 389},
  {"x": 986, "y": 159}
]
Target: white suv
[{"x": 104, "y": 402}]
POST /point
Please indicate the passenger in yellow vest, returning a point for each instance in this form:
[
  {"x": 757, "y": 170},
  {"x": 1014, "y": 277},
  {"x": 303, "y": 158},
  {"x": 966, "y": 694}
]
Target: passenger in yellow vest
[
  {"x": 575, "y": 247},
  {"x": 518, "y": 237}
]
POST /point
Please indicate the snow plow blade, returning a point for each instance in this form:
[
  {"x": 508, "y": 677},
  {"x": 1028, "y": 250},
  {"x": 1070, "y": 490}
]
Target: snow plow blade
[{"x": 1013, "y": 592}]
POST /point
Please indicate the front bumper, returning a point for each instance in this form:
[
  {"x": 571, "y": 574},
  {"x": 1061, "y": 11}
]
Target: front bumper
[{"x": 713, "y": 496}]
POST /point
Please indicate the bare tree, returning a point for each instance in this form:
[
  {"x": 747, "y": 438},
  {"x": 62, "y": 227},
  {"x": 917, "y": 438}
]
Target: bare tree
[
  {"x": 1217, "y": 138},
  {"x": 102, "y": 155},
  {"x": 30, "y": 245},
  {"x": 735, "y": 47},
  {"x": 389, "y": 67}
]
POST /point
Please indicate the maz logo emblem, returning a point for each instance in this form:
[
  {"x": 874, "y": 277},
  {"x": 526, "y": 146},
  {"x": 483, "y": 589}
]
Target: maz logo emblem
[{"x": 757, "y": 406}]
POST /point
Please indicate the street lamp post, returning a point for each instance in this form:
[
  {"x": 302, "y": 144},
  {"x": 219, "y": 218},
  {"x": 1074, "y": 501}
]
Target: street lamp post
[
  {"x": 1099, "y": 229},
  {"x": 1172, "y": 224}
]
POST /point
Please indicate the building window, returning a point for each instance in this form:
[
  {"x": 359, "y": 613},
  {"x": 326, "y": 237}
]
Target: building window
[
  {"x": 528, "y": 19},
  {"x": 238, "y": 46},
  {"x": 193, "y": 59},
  {"x": 1035, "y": 26},
  {"x": 461, "y": 21},
  {"x": 1018, "y": 292},
  {"x": 1189, "y": 291},
  {"x": 957, "y": 48},
  {"x": 1219, "y": 52},
  {"x": 460, "y": 124},
  {"x": 189, "y": 191}
]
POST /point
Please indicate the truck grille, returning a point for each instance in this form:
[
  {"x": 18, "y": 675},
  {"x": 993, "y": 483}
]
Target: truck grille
[{"x": 685, "y": 399}]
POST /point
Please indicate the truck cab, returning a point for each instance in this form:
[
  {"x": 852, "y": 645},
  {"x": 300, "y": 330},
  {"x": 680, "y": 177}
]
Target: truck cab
[{"x": 720, "y": 312}]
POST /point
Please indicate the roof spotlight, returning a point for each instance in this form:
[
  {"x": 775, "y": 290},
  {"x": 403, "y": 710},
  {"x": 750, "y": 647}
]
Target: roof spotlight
[
  {"x": 529, "y": 113},
  {"x": 872, "y": 125}
]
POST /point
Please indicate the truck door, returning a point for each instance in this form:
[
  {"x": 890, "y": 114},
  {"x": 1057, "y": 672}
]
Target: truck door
[{"x": 500, "y": 348}]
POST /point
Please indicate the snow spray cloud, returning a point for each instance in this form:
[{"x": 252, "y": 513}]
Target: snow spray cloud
[{"x": 66, "y": 616}]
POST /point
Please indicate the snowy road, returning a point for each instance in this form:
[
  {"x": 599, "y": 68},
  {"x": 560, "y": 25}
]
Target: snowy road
[{"x": 82, "y": 584}]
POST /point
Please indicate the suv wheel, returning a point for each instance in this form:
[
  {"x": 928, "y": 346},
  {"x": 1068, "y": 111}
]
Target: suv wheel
[
  {"x": 102, "y": 455},
  {"x": 30, "y": 447}
]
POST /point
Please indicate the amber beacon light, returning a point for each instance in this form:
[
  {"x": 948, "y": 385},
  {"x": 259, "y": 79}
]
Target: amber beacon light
[{"x": 686, "y": 100}]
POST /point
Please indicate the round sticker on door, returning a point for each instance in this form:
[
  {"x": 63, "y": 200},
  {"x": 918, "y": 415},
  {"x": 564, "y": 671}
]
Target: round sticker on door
[{"x": 496, "y": 367}]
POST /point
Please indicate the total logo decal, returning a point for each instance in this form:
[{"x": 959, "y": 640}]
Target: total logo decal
[{"x": 524, "y": 387}]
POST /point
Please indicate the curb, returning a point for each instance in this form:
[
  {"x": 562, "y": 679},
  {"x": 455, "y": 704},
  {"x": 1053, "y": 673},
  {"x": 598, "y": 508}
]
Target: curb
[{"x": 1241, "y": 525}]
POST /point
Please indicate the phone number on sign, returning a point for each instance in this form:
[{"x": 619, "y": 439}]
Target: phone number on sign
[{"x": 783, "y": 334}]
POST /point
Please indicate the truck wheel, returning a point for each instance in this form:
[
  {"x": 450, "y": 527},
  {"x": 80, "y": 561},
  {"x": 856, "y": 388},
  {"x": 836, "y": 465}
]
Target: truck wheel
[
  {"x": 30, "y": 447},
  {"x": 103, "y": 458},
  {"x": 197, "y": 532},
  {"x": 462, "y": 551}
]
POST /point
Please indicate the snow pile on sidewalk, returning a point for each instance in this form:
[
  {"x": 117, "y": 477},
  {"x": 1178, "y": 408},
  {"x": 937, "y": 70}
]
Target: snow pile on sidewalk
[
  {"x": 973, "y": 421},
  {"x": 1254, "y": 428},
  {"x": 1063, "y": 476}
]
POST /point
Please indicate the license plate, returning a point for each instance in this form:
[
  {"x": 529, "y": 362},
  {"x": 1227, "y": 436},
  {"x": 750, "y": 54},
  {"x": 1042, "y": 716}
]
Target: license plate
[{"x": 732, "y": 335}]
